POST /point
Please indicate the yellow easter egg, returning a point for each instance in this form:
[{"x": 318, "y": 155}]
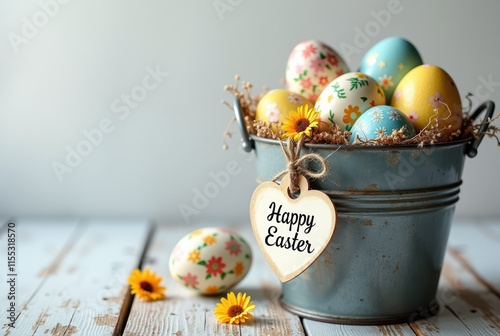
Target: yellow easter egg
[
  {"x": 276, "y": 104},
  {"x": 428, "y": 95}
]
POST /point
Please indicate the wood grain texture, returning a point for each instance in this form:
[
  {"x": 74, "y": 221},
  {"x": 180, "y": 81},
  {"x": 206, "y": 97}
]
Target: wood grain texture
[
  {"x": 83, "y": 285},
  {"x": 186, "y": 313},
  {"x": 324, "y": 329},
  {"x": 475, "y": 245},
  {"x": 468, "y": 305},
  {"x": 72, "y": 281},
  {"x": 36, "y": 251}
]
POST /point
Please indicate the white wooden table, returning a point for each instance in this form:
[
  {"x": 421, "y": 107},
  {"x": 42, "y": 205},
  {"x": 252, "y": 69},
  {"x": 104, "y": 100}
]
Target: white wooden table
[{"x": 71, "y": 280}]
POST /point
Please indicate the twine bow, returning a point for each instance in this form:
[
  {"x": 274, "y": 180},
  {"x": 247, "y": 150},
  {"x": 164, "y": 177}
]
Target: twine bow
[{"x": 295, "y": 166}]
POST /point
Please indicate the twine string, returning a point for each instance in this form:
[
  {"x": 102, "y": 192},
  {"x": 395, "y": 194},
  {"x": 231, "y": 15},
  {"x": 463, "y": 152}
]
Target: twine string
[{"x": 295, "y": 165}]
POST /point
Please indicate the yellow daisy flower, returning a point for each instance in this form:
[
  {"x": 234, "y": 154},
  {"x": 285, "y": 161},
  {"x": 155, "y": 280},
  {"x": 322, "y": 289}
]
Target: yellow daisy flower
[
  {"x": 146, "y": 285},
  {"x": 209, "y": 240},
  {"x": 234, "y": 309},
  {"x": 301, "y": 122},
  {"x": 194, "y": 256}
]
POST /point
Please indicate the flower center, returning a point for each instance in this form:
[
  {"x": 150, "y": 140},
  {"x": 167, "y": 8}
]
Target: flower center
[
  {"x": 302, "y": 125},
  {"x": 234, "y": 311},
  {"x": 146, "y": 286},
  {"x": 233, "y": 247},
  {"x": 215, "y": 265}
]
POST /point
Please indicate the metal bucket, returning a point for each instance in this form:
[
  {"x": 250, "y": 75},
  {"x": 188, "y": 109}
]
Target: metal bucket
[{"x": 395, "y": 205}]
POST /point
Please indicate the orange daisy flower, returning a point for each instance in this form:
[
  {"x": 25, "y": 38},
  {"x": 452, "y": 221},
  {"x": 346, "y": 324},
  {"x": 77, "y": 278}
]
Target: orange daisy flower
[
  {"x": 146, "y": 285},
  {"x": 238, "y": 268},
  {"x": 351, "y": 114},
  {"x": 209, "y": 240},
  {"x": 194, "y": 256}
]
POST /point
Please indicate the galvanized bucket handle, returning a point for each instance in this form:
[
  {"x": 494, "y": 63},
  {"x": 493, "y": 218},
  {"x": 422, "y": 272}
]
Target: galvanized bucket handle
[
  {"x": 248, "y": 144},
  {"x": 489, "y": 106},
  {"x": 470, "y": 150}
]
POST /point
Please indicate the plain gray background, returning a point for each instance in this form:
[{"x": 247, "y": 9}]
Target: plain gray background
[{"x": 65, "y": 76}]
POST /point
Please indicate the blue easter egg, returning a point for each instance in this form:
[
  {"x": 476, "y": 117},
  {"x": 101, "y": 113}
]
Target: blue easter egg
[
  {"x": 388, "y": 61},
  {"x": 381, "y": 120}
]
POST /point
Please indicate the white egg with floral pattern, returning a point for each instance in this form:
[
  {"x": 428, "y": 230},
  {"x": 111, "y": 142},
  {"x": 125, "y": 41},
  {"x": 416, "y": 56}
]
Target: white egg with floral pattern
[
  {"x": 210, "y": 260},
  {"x": 379, "y": 121}
]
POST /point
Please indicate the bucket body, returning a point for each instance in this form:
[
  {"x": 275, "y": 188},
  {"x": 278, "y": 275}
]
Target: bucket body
[{"x": 395, "y": 206}]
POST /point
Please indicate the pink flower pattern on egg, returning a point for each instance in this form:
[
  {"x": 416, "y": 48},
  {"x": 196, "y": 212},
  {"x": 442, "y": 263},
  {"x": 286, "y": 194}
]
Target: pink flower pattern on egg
[
  {"x": 298, "y": 68},
  {"x": 397, "y": 94},
  {"x": 295, "y": 99},
  {"x": 308, "y": 50},
  {"x": 318, "y": 64},
  {"x": 332, "y": 59},
  {"x": 233, "y": 247},
  {"x": 273, "y": 112},
  {"x": 306, "y": 83},
  {"x": 190, "y": 280},
  {"x": 436, "y": 100},
  {"x": 413, "y": 116}
]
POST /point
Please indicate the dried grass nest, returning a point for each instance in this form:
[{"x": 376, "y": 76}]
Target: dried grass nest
[{"x": 336, "y": 135}]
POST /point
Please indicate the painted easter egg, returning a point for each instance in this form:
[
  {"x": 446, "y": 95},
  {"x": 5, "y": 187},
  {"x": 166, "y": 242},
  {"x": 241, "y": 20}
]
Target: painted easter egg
[
  {"x": 278, "y": 103},
  {"x": 345, "y": 99},
  {"x": 381, "y": 120},
  {"x": 389, "y": 61},
  {"x": 210, "y": 260},
  {"x": 427, "y": 94},
  {"x": 311, "y": 66}
]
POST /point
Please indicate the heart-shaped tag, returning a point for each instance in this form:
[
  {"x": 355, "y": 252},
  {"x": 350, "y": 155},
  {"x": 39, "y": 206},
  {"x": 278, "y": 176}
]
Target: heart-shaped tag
[{"x": 291, "y": 232}]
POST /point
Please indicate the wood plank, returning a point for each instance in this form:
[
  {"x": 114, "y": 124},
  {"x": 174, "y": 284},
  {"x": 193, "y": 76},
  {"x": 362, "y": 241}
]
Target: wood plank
[
  {"x": 35, "y": 256},
  {"x": 475, "y": 245},
  {"x": 316, "y": 328},
  {"x": 86, "y": 283},
  {"x": 445, "y": 323},
  {"x": 468, "y": 306},
  {"x": 185, "y": 313}
]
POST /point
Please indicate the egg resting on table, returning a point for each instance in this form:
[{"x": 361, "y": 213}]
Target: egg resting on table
[
  {"x": 345, "y": 99},
  {"x": 210, "y": 260},
  {"x": 379, "y": 121},
  {"x": 276, "y": 104},
  {"x": 427, "y": 92},
  {"x": 389, "y": 61},
  {"x": 311, "y": 66}
]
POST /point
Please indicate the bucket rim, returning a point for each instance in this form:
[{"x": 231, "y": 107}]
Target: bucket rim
[{"x": 368, "y": 148}]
